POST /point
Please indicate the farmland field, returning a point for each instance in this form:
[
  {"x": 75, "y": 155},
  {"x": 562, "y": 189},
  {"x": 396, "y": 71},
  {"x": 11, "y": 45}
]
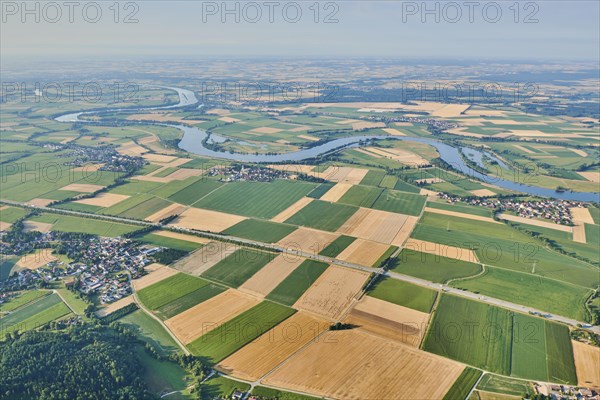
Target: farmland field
[
  {"x": 296, "y": 283},
  {"x": 323, "y": 215},
  {"x": 189, "y": 300},
  {"x": 399, "y": 202},
  {"x": 529, "y": 348},
  {"x": 169, "y": 290},
  {"x": 337, "y": 246},
  {"x": 238, "y": 267},
  {"x": 195, "y": 191},
  {"x": 255, "y": 199},
  {"x": 6, "y": 265},
  {"x": 561, "y": 364},
  {"x": 501, "y": 384},
  {"x": 34, "y": 315},
  {"x": 431, "y": 267},
  {"x": 262, "y": 231},
  {"x": 452, "y": 315},
  {"x": 404, "y": 294},
  {"x": 220, "y": 343},
  {"x": 150, "y": 331},
  {"x": 567, "y": 300},
  {"x": 463, "y": 385},
  {"x": 269, "y": 393},
  {"x": 67, "y": 223},
  {"x": 23, "y": 298}
]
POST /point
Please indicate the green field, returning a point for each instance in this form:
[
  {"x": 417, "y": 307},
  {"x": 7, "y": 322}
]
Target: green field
[
  {"x": 320, "y": 190},
  {"x": 11, "y": 214},
  {"x": 23, "y": 298},
  {"x": 150, "y": 331},
  {"x": 400, "y": 202},
  {"x": 529, "y": 348},
  {"x": 431, "y": 267},
  {"x": 463, "y": 385},
  {"x": 362, "y": 196},
  {"x": 192, "y": 193},
  {"x": 161, "y": 376},
  {"x": 239, "y": 266},
  {"x": 34, "y": 315},
  {"x": 503, "y": 246},
  {"x": 237, "y": 332},
  {"x": 262, "y": 231},
  {"x": 592, "y": 234},
  {"x": 561, "y": 364},
  {"x": 404, "y": 294},
  {"x": 337, "y": 246},
  {"x": 68, "y": 223},
  {"x": 502, "y": 384},
  {"x": 296, "y": 283},
  {"x": 373, "y": 178},
  {"x": 188, "y": 301},
  {"x": 566, "y": 300},
  {"x": 501, "y": 341},
  {"x": 322, "y": 215},
  {"x": 77, "y": 304},
  {"x": 462, "y": 208},
  {"x": 169, "y": 290},
  {"x": 450, "y": 334},
  {"x": 256, "y": 199}
]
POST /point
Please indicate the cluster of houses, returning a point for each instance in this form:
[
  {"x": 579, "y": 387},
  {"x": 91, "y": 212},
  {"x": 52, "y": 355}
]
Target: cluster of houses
[
  {"x": 566, "y": 392},
  {"x": 246, "y": 173},
  {"x": 436, "y": 123},
  {"x": 556, "y": 211},
  {"x": 98, "y": 265},
  {"x": 110, "y": 159}
]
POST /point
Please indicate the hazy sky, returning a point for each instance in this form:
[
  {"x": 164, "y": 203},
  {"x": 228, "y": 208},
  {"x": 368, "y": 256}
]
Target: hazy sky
[{"x": 565, "y": 30}]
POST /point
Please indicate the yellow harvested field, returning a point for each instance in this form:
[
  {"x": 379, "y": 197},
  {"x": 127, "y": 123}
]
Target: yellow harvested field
[
  {"x": 40, "y": 202},
  {"x": 451, "y": 110},
  {"x": 483, "y": 395},
  {"x": 302, "y": 128},
  {"x": 524, "y": 149},
  {"x": 209, "y": 315},
  {"x": 431, "y": 195},
  {"x": 218, "y": 111},
  {"x": 536, "y": 222},
  {"x": 393, "y": 132},
  {"x": 104, "y": 200},
  {"x": 81, "y": 187},
  {"x": 462, "y": 132},
  {"x": 36, "y": 226},
  {"x": 389, "y": 320},
  {"x": 363, "y": 252},
  {"x": 182, "y": 236},
  {"x": 402, "y": 156},
  {"x": 205, "y": 257},
  {"x": 294, "y": 168},
  {"x": 4, "y": 226},
  {"x": 587, "y": 364},
  {"x": 357, "y": 126},
  {"x": 376, "y": 225},
  {"x": 462, "y": 215},
  {"x": 343, "y": 174},
  {"x": 483, "y": 192},
  {"x": 592, "y": 176},
  {"x": 332, "y": 292},
  {"x": 272, "y": 348},
  {"x": 308, "y": 240},
  {"x": 37, "y": 259},
  {"x": 271, "y": 275},
  {"x": 179, "y": 175},
  {"x": 581, "y": 216},
  {"x": 206, "y": 220},
  {"x": 309, "y": 137},
  {"x": 158, "y": 158},
  {"x": 406, "y": 230},
  {"x": 88, "y": 168},
  {"x": 443, "y": 250},
  {"x": 156, "y": 273},
  {"x": 229, "y": 119},
  {"x": 131, "y": 149},
  {"x": 169, "y": 210},
  {"x": 336, "y": 192},
  {"x": 266, "y": 129},
  {"x": 112, "y": 307},
  {"x": 361, "y": 150},
  {"x": 351, "y": 364},
  {"x": 291, "y": 210}
]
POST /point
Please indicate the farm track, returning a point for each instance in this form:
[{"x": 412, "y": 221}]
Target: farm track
[{"x": 278, "y": 248}]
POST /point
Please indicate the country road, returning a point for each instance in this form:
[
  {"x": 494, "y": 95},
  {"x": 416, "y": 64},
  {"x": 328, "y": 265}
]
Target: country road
[{"x": 329, "y": 260}]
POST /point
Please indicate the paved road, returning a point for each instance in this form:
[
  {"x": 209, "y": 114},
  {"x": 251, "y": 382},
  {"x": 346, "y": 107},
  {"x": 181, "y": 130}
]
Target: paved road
[{"x": 329, "y": 260}]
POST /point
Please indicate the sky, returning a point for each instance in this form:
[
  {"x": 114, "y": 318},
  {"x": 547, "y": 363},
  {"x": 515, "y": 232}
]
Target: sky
[{"x": 536, "y": 30}]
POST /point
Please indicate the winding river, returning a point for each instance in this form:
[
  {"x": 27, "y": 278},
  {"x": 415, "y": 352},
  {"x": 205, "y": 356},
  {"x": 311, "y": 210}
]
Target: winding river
[{"x": 193, "y": 142}]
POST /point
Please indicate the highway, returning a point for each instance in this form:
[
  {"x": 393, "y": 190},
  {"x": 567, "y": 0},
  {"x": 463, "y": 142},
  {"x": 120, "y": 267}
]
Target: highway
[{"x": 329, "y": 260}]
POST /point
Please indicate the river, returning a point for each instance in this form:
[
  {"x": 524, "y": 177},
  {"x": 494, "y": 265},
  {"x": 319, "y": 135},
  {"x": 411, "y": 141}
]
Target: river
[{"x": 193, "y": 142}]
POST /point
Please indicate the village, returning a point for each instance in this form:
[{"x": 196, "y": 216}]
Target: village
[{"x": 89, "y": 264}]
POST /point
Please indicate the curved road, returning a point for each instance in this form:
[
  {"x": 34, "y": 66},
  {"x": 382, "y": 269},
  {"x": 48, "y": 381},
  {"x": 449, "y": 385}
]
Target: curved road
[{"x": 329, "y": 260}]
